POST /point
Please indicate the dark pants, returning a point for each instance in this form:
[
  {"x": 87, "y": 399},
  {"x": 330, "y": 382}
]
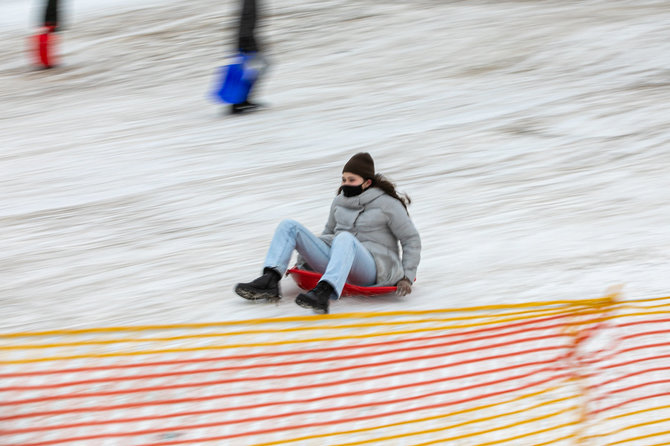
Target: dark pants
[
  {"x": 51, "y": 13},
  {"x": 246, "y": 35}
]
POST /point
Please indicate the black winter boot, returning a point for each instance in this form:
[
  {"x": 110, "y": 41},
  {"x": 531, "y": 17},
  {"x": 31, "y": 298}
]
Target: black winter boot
[
  {"x": 243, "y": 107},
  {"x": 317, "y": 298},
  {"x": 264, "y": 287}
]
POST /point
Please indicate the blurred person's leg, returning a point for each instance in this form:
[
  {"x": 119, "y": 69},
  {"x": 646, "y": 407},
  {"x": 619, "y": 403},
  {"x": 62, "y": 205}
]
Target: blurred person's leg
[
  {"x": 246, "y": 35},
  {"x": 51, "y": 14},
  {"x": 45, "y": 40},
  {"x": 248, "y": 46}
]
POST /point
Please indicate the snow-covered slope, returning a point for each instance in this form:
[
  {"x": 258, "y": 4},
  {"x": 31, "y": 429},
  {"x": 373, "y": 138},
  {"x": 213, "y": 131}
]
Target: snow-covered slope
[{"x": 533, "y": 137}]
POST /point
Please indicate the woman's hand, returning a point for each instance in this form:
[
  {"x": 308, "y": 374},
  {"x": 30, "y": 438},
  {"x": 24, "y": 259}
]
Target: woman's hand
[{"x": 404, "y": 287}]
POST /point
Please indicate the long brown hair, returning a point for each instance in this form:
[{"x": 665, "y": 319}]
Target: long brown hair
[{"x": 388, "y": 187}]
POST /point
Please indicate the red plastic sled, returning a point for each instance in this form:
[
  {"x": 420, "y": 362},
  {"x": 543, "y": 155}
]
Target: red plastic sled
[{"x": 308, "y": 280}]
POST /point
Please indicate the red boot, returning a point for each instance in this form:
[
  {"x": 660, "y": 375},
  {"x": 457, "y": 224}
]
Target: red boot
[{"x": 45, "y": 43}]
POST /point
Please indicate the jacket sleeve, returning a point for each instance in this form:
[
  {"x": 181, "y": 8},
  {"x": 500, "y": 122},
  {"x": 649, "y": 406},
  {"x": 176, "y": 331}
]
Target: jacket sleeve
[{"x": 403, "y": 229}]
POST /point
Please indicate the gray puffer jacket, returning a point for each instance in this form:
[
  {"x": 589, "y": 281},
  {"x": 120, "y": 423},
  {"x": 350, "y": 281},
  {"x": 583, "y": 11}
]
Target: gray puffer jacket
[{"x": 380, "y": 223}]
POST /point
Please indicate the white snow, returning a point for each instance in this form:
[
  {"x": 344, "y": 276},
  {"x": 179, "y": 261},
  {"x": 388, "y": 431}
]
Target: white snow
[{"x": 533, "y": 138}]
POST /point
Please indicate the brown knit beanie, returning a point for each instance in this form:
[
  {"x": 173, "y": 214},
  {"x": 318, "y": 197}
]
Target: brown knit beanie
[{"x": 361, "y": 164}]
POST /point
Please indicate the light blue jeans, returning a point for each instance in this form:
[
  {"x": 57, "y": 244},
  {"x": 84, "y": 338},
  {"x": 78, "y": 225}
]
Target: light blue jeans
[{"x": 346, "y": 260}]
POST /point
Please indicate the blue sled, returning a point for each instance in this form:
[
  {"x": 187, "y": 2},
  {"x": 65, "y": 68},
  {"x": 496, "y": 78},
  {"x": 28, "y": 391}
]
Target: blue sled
[{"x": 235, "y": 81}]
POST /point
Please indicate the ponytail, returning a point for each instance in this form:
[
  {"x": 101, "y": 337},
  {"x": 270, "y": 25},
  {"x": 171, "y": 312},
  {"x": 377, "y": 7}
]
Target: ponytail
[{"x": 388, "y": 187}]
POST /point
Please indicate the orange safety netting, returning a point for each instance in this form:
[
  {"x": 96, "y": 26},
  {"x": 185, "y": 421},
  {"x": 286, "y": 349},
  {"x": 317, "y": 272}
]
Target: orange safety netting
[{"x": 589, "y": 372}]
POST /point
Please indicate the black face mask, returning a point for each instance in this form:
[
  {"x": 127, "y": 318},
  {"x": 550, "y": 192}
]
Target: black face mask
[{"x": 352, "y": 191}]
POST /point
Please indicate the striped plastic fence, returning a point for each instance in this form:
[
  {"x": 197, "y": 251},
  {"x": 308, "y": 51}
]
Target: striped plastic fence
[{"x": 592, "y": 372}]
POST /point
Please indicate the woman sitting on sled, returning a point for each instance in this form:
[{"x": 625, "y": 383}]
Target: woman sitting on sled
[{"x": 360, "y": 244}]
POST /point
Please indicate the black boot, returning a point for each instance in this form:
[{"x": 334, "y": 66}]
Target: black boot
[
  {"x": 243, "y": 107},
  {"x": 317, "y": 298},
  {"x": 264, "y": 287}
]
